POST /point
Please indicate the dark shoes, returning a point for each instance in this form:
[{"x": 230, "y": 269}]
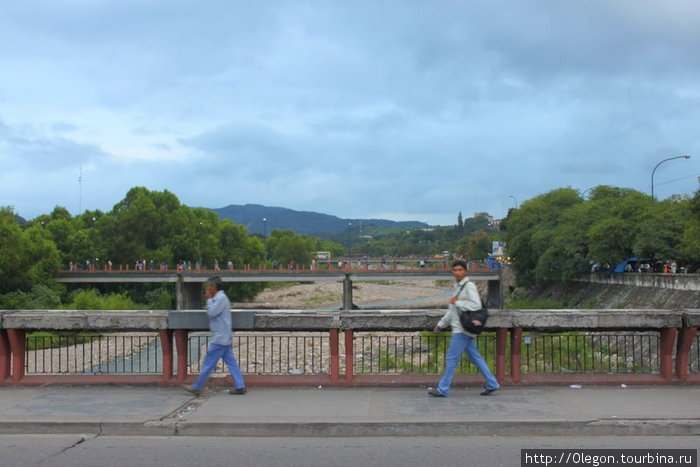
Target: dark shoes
[
  {"x": 488, "y": 392},
  {"x": 189, "y": 388},
  {"x": 197, "y": 392},
  {"x": 436, "y": 393}
]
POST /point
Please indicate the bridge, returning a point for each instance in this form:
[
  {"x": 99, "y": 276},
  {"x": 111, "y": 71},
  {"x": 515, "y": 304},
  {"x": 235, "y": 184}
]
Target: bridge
[
  {"x": 188, "y": 284},
  {"x": 359, "y": 348}
]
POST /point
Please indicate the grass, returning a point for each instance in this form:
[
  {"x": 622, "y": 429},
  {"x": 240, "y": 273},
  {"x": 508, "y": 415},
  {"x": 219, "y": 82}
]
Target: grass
[
  {"x": 279, "y": 285},
  {"x": 323, "y": 299},
  {"x": 528, "y": 304},
  {"x": 565, "y": 352},
  {"x": 50, "y": 340}
]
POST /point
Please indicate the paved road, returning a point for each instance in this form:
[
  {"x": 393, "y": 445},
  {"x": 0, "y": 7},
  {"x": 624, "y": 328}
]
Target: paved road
[{"x": 122, "y": 451}]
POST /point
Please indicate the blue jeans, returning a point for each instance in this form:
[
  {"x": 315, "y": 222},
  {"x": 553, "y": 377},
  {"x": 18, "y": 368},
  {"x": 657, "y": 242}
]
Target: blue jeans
[
  {"x": 214, "y": 353},
  {"x": 459, "y": 343}
]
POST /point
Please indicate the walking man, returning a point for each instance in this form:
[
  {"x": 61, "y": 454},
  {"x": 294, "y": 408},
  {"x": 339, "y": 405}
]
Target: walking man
[
  {"x": 220, "y": 346},
  {"x": 465, "y": 297}
]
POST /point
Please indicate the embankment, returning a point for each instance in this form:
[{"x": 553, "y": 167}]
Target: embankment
[{"x": 593, "y": 295}]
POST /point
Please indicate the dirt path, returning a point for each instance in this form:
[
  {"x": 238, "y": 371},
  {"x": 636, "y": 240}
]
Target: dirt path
[{"x": 329, "y": 295}]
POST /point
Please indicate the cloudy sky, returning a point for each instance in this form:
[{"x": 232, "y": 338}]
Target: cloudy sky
[{"x": 407, "y": 110}]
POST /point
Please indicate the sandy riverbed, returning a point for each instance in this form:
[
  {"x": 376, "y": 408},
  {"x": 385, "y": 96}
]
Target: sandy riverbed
[{"x": 381, "y": 294}]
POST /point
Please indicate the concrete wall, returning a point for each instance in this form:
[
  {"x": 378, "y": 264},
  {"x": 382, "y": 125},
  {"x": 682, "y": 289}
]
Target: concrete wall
[
  {"x": 381, "y": 320},
  {"x": 689, "y": 282}
]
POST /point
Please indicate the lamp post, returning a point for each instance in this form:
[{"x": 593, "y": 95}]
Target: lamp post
[
  {"x": 685, "y": 156},
  {"x": 199, "y": 245},
  {"x": 264, "y": 238},
  {"x": 583, "y": 193},
  {"x": 93, "y": 254},
  {"x": 514, "y": 200}
]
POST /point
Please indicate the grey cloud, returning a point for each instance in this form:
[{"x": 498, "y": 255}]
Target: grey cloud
[
  {"x": 29, "y": 148},
  {"x": 355, "y": 107}
]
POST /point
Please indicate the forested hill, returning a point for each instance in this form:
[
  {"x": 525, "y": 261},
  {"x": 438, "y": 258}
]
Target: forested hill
[{"x": 301, "y": 222}]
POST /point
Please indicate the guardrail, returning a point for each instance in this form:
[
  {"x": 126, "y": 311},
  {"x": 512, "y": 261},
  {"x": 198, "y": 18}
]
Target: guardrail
[{"x": 390, "y": 347}]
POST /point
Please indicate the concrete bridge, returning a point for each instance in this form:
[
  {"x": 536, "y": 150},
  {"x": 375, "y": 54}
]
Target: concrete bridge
[
  {"x": 188, "y": 284},
  {"x": 671, "y": 338}
]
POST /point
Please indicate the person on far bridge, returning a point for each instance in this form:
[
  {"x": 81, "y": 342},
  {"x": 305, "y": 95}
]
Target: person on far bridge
[{"x": 220, "y": 346}]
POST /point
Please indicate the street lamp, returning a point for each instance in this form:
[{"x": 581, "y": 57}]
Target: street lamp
[
  {"x": 514, "y": 200},
  {"x": 657, "y": 166},
  {"x": 199, "y": 244},
  {"x": 264, "y": 238},
  {"x": 583, "y": 193}
]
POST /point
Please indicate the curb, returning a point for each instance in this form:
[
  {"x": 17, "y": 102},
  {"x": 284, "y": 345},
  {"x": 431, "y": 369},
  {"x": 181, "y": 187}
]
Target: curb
[{"x": 624, "y": 427}]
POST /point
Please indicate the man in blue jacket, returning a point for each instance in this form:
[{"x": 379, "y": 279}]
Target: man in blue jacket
[
  {"x": 465, "y": 297},
  {"x": 220, "y": 345}
]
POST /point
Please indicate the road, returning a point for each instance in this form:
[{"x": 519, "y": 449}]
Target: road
[{"x": 77, "y": 451}]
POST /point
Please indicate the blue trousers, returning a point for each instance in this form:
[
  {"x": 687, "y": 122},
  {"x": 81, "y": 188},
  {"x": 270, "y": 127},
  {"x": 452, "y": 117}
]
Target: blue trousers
[
  {"x": 214, "y": 353},
  {"x": 459, "y": 343}
]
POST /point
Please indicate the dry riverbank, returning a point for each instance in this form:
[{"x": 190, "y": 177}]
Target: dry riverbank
[{"x": 393, "y": 294}]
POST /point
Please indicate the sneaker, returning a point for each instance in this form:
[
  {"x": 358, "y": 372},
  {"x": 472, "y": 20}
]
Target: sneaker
[
  {"x": 238, "y": 392},
  {"x": 189, "y": 388},
  {"x": 436, "y": 393},
  {"x": 488, "y": 392}
]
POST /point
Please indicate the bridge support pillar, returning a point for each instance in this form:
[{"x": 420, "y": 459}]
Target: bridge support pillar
[
  {"x": 494, "y": 294},
  {"x": 349, "y": 355},
  {"x": 18, "y": 348},
  {"x": 501, "y": 345},
  {"x": 668, "y": 341},
  {"x": 188, "y": 295},
  {"x": 166, "y": 343},
  {"x": 182, "y": 359},
  {"x": 5, "y": 356},
  {"x": 516, "y": 335},
  {"x": 686, "y": 336},
  {"x": 334, "y": 341},
  {"x": 347, "y": 293}
]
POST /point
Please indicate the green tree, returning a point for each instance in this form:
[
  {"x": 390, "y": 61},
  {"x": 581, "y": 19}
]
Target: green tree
[
  {"x": 617, "y": 215},
  {"x": 286, "y": 246},
  {"x": 28, "y": 258},
  {"x": 532, "y": 231},
  {"x": 689, "y": 245}
]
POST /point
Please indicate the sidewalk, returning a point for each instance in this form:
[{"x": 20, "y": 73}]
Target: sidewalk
[{"x": 546, "y": 411}]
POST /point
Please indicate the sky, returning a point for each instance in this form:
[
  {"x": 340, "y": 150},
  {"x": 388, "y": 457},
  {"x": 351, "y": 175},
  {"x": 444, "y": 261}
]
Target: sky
[{"x": 404, "y": 110}]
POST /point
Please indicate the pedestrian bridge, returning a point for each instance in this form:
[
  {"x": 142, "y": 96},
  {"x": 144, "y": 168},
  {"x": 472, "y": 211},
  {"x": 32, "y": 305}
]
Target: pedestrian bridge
[{"x": 188, "y": 284}]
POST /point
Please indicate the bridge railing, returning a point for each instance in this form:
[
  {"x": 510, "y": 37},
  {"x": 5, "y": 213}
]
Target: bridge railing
[{"x": 390, "y": 347}]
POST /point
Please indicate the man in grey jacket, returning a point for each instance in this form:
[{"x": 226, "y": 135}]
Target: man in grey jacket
[
  {"x": 465, "y": 297},
  {"x": 219, "y": 313}
]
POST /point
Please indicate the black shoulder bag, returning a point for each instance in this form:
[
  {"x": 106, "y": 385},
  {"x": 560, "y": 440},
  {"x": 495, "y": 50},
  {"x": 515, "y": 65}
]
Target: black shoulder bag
[{"x": 466, "y": 317}]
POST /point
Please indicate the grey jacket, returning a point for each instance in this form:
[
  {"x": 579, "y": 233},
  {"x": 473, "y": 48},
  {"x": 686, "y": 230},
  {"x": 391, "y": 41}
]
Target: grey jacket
[
  {"x": 468, "y": 299},
  {"x": 219, "y": 313}
]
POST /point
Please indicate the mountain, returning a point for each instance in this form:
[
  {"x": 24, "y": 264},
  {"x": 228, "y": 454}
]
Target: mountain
[{"x": 301, "y": 222}]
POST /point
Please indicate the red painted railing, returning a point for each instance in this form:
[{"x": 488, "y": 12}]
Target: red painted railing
[{"x": 674, "y": 353}]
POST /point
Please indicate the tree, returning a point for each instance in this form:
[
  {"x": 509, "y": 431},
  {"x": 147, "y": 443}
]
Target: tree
[
  {"x": 689, "y": 245},
  {"x": 28, "y": 257},
  {"x": 617, "y": 215},
  {"x": 286, "y": 246},
  {"x": 532, "y": 232},
  {"x": 661, "y": 233}
]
